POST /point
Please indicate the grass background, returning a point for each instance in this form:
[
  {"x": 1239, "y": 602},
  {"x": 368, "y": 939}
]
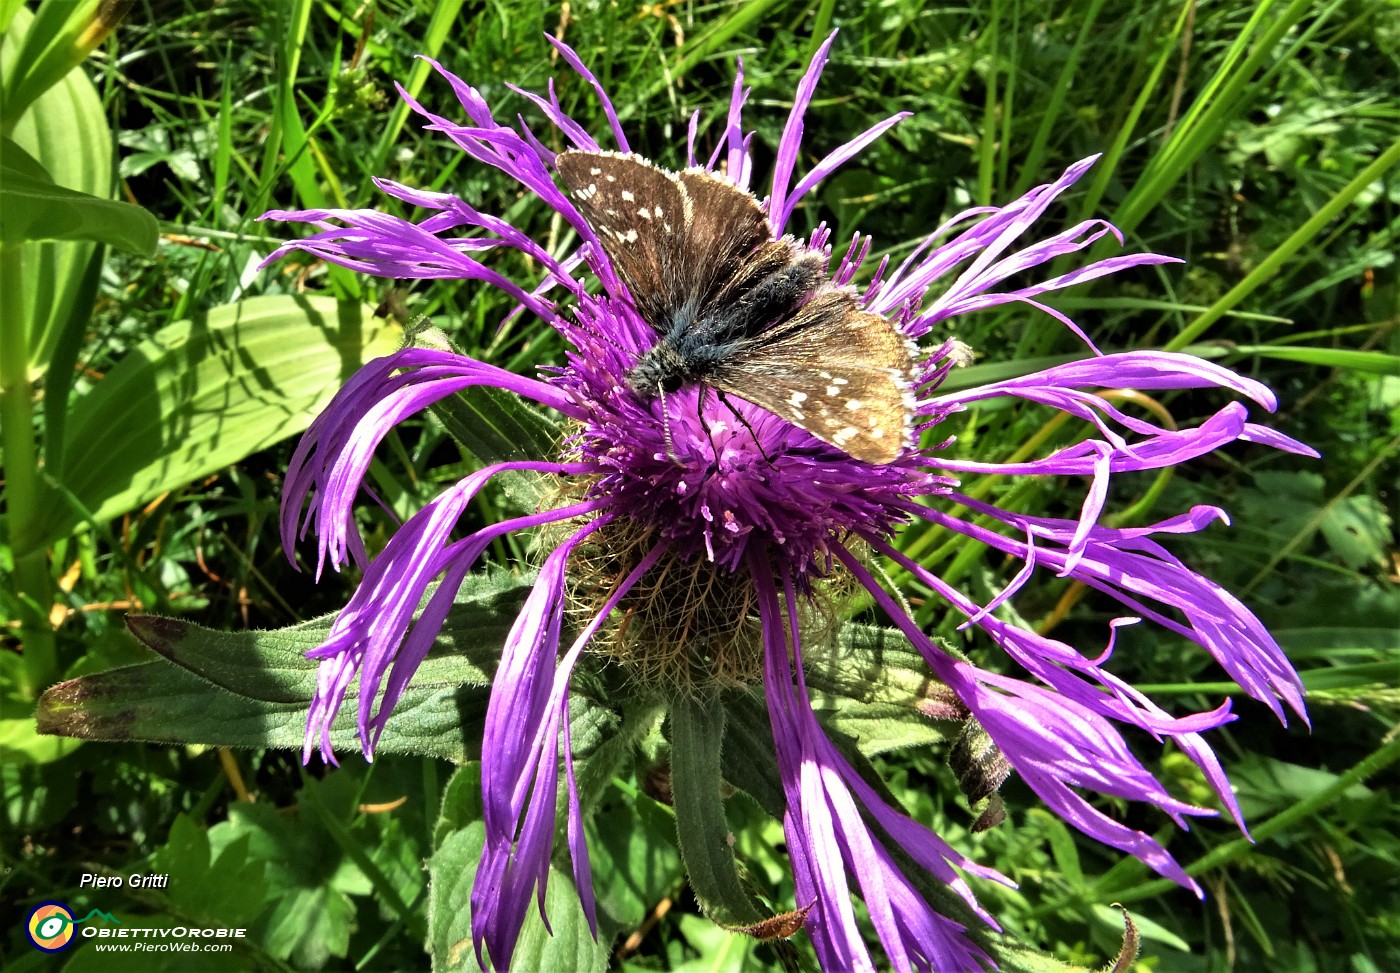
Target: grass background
[{"x": 1253, "y": 140}]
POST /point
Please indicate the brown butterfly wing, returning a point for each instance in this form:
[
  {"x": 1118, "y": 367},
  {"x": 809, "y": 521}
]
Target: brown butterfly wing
[
  {"x": 676, "y": 241},
  {"x": 838, "y": 372}
]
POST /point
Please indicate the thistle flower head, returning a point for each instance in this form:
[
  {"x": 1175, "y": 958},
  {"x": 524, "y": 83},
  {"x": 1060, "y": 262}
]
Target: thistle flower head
[{"x": 700, "y": 540}]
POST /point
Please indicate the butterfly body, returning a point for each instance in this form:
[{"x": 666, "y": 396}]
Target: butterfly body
[
  {"x": 739, "y": 311},
  {"x": 696, "y": 348}
]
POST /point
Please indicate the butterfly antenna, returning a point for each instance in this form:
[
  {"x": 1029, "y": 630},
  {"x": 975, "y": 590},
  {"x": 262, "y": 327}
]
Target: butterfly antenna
[
  {"x": 700, "y": 416},
  {"x": 745, "y": 423},
  {"x": 666, "y": 426}
]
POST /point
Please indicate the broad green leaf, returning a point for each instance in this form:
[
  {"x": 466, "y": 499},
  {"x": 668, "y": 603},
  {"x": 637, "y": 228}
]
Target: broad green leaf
[
  {"x": 750, "y": 762},
  {"x": 1357, "y": 529},
  {"x": 157, "y": 702},
  {"x": 868, "y": 683},
  {"x": 218, "y": 887},
  {"x": 272, "y": 665},
  {"x": 461, "y": 803},
  {"x": 35, "y": 797},
  {"x": 719, "y": 949},
  {"x": 452, "y": 870},
  {"x": 495, "y": 425},
  {"x": 199, "y": 396},
  {"x": 58, "y": 39},
  {"x": 66, "y": 131},
  {"x": 633, "y": 843},
  {"x": 34, "y": 207},
  {"x": 253, "y": 689},
  {"x": 492, "y": 424}
]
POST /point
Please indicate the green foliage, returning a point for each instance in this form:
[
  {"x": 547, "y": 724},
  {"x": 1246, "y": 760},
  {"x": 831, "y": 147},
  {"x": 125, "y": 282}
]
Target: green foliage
[
  {"x": 158, "y": 394},
  {"x": 36, "y": 208},
  {"x": 453, "y": 869},
  {"x": 253, "y": 689}
]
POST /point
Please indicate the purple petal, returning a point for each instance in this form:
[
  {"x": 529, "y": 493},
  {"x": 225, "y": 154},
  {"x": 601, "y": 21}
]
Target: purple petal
[
  {"x": 791, "y": 141},
  {"x": 1050, "y": 741},
  {"x": 827, "y": 835}
]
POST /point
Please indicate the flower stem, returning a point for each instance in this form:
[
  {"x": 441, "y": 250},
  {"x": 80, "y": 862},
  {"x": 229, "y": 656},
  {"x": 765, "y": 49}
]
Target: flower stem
[{"x": 31, "y": 578}]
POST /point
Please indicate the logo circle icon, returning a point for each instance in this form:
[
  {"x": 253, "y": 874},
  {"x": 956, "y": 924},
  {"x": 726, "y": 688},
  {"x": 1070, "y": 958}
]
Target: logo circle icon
[{"x": 50, "y": 927}]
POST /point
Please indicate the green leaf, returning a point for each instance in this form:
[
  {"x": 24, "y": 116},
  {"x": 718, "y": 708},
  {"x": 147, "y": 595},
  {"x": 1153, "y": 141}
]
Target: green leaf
[
  {"x": 199, "y": 396},
  {"x": 719, "y": 948},
  {"x": 307, "y": 879},
  {"x": 253, "y": 689},
  {"x": 974, "y": 376},
  {"x": 59, "y": 38},
  {"x": 36, "y": 797},
  {"x": 750, "y": 762},
  {"x": 492, "y": 424},
  {"x": 453, "y": 870},
  {"x": 272, "y": 665},
  {"x": 66, "y": 131},
  {"x": 697, "y": 738},
  {"x": 869, "y": 684},
  {"x": 20, "y": 743},
  {"x": 1358, "y": 530},
  {"x": 1013, "y": 957},
  {"x": 1155, "y": 931},
  {"x": 34, "y": 207},
  {"x": 1065, "y": 851},
  {"x": 632, "y": 847},
  {"x": 461, "y": 803},
  {"x": 220, "y": 887},
  {"x": 156, "y": 702},
  {"x": 1372, "y": 362}
]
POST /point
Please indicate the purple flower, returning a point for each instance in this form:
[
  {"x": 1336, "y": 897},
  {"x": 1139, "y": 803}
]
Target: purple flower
[{"x": 749, "y": 516}]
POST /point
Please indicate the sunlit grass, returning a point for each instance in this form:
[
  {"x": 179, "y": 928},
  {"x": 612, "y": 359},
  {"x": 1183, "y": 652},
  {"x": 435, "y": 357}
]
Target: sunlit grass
[{"x": 1257, "y": 141}]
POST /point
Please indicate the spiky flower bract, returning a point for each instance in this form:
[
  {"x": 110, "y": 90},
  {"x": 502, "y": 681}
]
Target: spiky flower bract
[{"x": 752, "y": 523}]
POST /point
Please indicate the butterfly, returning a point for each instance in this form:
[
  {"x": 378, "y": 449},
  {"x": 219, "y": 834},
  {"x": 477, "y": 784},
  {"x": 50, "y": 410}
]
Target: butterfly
[{"x": 741, "y": 312}]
